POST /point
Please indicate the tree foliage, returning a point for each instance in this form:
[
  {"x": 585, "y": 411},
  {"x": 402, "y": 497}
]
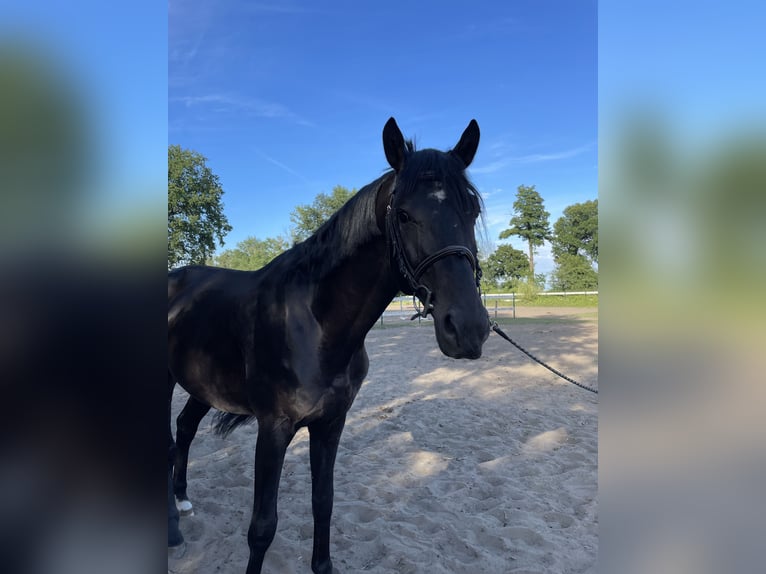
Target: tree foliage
[
  {"x": 45, "y": 147},
  {"x": 530, "y": 221},
  {"x": 252, "y": 253},
  {"x": 575, "y": 247},
  {"x": 506, "y": 266},
  {"x": 576, "y": 231},
  {"x": 195, "y": 210},
  {"x": 573, "y": 273},
  {"x": 306, "y": 219}
]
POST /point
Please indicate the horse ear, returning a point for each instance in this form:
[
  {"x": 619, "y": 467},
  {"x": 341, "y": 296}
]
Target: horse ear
[
  {"x": 393, "y": 145},
  {"x": 468, "y": 144}
]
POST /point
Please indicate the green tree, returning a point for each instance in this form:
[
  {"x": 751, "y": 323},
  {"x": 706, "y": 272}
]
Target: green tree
[
  {"x": 45, "y": 147},
  {"x": 306, "y": 219},
  {"x": 576, "y": 231},
  {"x": 530, "y": 221},
  {"x": 506, "y": 265},
  {"x": 574, "y": 272},
  {"x": 195, "y": 210},
  {"x": 252, "y": 253}
]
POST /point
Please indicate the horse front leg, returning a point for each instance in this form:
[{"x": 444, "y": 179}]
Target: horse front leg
[
  {"x": 324, "y": 439},
  {"x": 273, "y": 440},
  {"x": 187, "y": 424}
]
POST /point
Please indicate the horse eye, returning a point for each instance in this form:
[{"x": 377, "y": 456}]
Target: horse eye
[{"x": 403, "y": 216}]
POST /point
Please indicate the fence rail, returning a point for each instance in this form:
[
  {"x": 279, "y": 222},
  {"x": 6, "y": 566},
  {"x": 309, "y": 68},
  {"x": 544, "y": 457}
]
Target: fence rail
[
  {"x": 402, "y": 308},
  {"x": 542, "y": 294}
]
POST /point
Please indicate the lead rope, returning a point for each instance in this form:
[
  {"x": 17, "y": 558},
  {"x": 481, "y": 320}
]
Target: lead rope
[{"x": 496, "y": 328}]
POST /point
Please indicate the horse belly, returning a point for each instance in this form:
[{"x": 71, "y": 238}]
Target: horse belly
[{"x": 216, "y": 380}]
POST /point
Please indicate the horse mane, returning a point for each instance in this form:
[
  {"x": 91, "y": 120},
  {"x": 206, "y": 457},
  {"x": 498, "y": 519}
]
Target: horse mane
[
  {"x": 356, "y": 223},
  {"x": 351, "y": 226}
]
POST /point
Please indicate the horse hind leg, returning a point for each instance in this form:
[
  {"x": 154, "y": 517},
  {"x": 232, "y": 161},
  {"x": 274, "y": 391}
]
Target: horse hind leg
[
  {"x": 175, "y": 538},
  {"x": 187, "y": 424}
]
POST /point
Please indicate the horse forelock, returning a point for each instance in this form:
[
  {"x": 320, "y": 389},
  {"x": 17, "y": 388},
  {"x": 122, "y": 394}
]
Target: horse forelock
[{"x": 436, "y": 165}]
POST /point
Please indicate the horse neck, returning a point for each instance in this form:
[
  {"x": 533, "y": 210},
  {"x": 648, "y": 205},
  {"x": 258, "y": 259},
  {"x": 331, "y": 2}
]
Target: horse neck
[{"x": 352, "y": 295}]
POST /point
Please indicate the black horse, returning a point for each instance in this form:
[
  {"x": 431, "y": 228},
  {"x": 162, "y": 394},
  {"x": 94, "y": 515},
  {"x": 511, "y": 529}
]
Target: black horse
[{"x": 285, "y": 344}]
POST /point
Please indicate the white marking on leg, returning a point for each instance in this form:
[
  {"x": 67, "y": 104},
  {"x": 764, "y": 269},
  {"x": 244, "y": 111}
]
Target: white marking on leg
[{"x": 184, "y": 507}]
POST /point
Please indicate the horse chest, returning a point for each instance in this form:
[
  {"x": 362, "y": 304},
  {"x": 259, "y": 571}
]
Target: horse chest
[
  {"x": 323, "y": 399},
  {"x": 325, "y": 395}
]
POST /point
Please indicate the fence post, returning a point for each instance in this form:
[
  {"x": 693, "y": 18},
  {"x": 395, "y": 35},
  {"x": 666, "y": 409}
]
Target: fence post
[
  {"x": 495, "y": 309},
  {"x": 513, "y": 298}
]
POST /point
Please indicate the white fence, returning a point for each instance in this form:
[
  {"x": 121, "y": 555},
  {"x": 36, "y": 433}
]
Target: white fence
[
  {"x": 519, "y": 295},
  {"x": 406, "y": 309}
]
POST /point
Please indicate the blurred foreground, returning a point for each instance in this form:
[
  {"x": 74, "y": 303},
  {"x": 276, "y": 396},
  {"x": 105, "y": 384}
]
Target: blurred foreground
[
  {"x": 82, "y": 202},
  {"x": 682, "y": 190}
]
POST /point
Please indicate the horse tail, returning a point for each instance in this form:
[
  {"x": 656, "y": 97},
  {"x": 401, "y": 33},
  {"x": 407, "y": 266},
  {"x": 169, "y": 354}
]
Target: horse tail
[{"x": 224, "y": 423}]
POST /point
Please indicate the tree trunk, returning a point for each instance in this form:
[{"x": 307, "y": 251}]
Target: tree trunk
[{"x": 531, "y": 260}]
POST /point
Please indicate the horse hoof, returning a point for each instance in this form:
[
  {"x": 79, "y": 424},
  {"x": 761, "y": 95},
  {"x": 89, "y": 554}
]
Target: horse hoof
[
  {"x": 175, "y": 538},
  {"x": 324, "y": 568},
  {"x": 184, "y": 507},
  {"x": 176, "y": 552}
]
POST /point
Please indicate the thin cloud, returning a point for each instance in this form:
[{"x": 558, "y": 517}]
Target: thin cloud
[
  {"x": 372, "y": 102},
  {"x": 282, "y": 166},
  {"x": 251, "y": 106},
  {"x": 187, "y": 30},
  {"x": 502, "y": 163},
  {"x": 278, "y": 8},
  {"x": 491, "y": 167},
  {"x": 553, "y": 156}
]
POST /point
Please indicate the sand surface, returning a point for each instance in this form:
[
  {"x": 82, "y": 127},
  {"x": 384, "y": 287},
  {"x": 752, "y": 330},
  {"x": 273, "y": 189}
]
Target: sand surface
[{"x": 445, "y": 466}]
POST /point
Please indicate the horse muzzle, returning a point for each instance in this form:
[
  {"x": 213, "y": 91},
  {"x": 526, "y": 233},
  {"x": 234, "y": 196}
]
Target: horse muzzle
[{"x": 461, "y": 332}]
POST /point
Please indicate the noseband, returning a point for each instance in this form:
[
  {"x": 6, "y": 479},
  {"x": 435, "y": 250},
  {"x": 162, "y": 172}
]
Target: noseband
[{"x": 412, "y": 275}]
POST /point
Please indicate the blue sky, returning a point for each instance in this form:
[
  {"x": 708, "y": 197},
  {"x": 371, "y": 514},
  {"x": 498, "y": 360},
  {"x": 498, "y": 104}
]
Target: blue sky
[{"x": 288, "y": 99}]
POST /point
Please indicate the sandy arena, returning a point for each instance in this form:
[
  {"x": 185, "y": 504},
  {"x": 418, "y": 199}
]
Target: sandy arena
[{"x": 445, "y": 466}]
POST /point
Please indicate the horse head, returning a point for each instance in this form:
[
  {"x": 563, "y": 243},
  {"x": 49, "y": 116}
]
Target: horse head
[{"x": 430, "y": 221}]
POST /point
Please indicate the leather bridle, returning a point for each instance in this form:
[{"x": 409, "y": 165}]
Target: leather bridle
[{"x": 412, "y": 275}]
